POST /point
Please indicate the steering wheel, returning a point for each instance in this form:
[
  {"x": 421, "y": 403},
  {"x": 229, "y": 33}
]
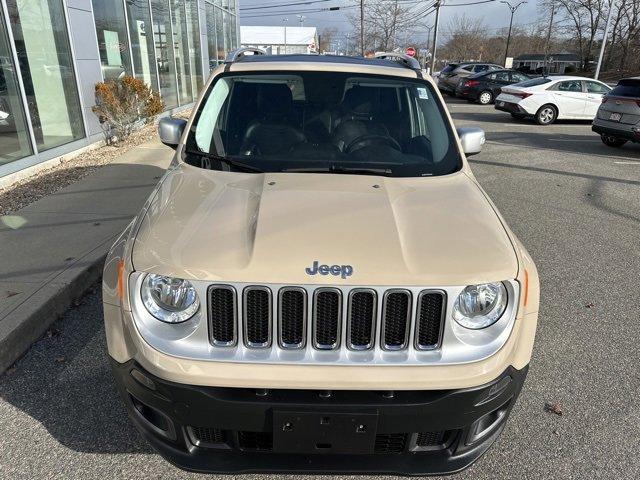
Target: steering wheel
[{"x": 369, "y": 140}]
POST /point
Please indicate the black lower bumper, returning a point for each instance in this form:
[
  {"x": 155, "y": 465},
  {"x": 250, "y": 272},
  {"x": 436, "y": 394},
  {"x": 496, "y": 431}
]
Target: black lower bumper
[
  {"x": 511, "y": 108},
  {"x": 240, "y": 430},
  {"x": 617, "y": 133}
]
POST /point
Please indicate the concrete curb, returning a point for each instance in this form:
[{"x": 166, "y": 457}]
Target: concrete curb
[{"x": 32, "y": 319}]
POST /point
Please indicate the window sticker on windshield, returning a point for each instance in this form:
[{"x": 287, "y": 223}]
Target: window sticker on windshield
[{"x": 422, "y": 93}]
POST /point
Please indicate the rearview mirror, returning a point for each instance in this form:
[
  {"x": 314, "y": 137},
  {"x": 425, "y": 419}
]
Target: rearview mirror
[
  {"x": 472, "y": 140},
  {"x": 170, "y": 131}
]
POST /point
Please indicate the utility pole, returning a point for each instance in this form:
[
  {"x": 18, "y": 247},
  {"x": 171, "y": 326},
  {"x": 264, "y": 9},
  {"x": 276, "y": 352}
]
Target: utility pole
[
  {"x": 285, "y": 20},
  {"x": 435, "y": 36},
  {"x": 513, "y": 10},
  {"x": 362, "y": 27},
  {"x": 546, "y": 45},
  {"x": 604, "y": 39}
]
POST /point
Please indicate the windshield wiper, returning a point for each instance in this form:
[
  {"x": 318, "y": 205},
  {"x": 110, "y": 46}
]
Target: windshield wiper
[
  {"x": 385, "y": 172},
  {"x": 226, "y": 160}
]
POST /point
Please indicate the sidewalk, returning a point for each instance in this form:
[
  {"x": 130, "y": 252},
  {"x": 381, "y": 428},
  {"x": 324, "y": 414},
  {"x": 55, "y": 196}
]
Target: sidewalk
[{"x": 53, "y": 250}]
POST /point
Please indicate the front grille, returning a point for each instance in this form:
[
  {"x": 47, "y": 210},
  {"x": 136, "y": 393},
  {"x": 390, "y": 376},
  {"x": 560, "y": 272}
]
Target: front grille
[
  {"x": 390, "y": 442},
  {"x": 206, "y": 436},
  {"x": 292, "y": 309},
  {"x": 372, "y": 318},
  {"x": 430, "y": 439},
  {"x": 430, "y": 319},
  {"x": 361, "y": 318},
  {"x": 222, "y": 315},
  {"x": 262, "y": 441},
  {"x": 327, "y": 312},
  {"x": 395, "y": 319},
  {"x": 257, "y": 316}
]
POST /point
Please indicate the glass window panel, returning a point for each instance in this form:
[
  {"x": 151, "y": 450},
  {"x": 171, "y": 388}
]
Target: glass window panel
[
  {"x": 234, "y": 36},
  {"x": 220, "y": 35},
  {"x": 164, "y": 52},
  {"x": 14, "y": 137},
  {"x": 227, "y": 32},
  {"x": 113, "y": 41},
  {"x": 41, "y": 41},
  {"x": 211, "y": 36},
  {"x": 181, "y": 49},
  {"x": 195, "y": 53},
  {"x": 142, "y": 41}
]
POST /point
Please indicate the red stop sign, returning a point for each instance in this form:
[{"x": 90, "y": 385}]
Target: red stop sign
[{"x": 411, "y": 52}]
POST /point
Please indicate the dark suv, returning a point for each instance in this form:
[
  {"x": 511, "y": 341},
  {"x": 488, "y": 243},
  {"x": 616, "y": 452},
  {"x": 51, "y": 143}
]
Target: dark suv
[
  {"x": 618, "y": 118},
  {"x": 484, "y": 87},
  {"x": 453, "y": 73}
]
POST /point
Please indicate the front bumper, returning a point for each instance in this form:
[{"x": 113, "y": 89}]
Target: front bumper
[{"x": 234, "y": 430}]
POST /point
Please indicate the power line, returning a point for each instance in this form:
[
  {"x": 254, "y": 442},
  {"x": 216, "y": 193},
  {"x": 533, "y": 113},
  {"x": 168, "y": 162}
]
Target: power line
[
  {"x": 290, "y": 4},
  {"x": 292, "y": 12}
]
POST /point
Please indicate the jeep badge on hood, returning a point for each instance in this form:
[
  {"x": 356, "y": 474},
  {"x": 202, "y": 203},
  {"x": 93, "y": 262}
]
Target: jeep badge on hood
[{"x": 342, "y": 270}]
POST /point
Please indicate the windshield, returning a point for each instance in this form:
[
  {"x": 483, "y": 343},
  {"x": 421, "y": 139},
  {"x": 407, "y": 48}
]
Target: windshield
[{"x": 325, "y": 122}]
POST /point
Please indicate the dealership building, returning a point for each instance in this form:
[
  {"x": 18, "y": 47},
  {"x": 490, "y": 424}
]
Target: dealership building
[{"x": 53, "y": 52}]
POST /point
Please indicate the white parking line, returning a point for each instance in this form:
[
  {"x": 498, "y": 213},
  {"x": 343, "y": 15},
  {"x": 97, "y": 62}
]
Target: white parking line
[{"x": 627, "y": 163}]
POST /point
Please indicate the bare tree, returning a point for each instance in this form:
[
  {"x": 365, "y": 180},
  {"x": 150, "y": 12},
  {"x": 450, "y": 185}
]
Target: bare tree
[
  {"x": 386, "y": 23},
  {"x": 327, "y": 39}
]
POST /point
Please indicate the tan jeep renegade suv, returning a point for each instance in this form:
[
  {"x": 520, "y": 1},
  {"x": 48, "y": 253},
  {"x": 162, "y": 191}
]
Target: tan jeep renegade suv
[{"x": 318, "y": 283}]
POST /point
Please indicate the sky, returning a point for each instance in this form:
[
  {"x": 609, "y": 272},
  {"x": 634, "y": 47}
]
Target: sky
[{"x": 494, "y": 14}]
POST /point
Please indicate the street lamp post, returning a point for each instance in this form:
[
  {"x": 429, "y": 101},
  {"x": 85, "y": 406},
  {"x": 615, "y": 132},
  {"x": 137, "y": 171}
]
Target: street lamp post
[
  {"x": 435, "y": 36},
  {"x": 513, "y": 10}
]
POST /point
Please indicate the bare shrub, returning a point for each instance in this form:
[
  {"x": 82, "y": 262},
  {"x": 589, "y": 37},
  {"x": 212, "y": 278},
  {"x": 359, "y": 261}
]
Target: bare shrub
[{"x": 123, "y": 103}]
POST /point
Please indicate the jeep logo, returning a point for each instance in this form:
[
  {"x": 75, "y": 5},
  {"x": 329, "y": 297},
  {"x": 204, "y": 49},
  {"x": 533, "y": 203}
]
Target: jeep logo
[{"x": 342, "y": 270}]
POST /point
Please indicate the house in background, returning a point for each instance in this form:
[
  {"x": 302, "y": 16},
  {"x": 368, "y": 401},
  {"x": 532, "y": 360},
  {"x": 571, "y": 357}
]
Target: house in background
[
  {"x": 557, "y": 63},
  {"x": 280, "y": 40}
]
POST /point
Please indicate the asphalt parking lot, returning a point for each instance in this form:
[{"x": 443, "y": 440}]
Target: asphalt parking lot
[{"x": 572, "y": 201}]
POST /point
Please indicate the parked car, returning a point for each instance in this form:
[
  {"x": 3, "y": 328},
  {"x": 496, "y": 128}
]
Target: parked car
[
  {"x": 451, "y": 75},
  {"x": 618, "y": 119},
  {"x": 319, "y": 283},
  {"x": 484, "y": 87},
  {"x": 547, "y": 99}
]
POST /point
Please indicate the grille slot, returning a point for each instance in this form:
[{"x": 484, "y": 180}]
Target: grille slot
[
  {"x": 396, "y": 316},
  {"x": 390, "y": 442},
  {"x": 430, "y": 439},
  {"x": 222, "y": 315},
  {"x": 257, "y": 317},
  {"x": 430, "y": 320},
  {"x": 206, "y": 436},
  {"x": 327, "y": 313},
  {"x": 292, "y": 309},
  {"x": 262, "y": 441},
  {"x": 362, "y": 318}
]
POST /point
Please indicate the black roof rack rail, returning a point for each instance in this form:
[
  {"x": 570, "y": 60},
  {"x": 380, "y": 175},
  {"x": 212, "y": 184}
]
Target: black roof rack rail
[
  {"x": 240, "y": 53},
  {"x": 401, "y": 58}
]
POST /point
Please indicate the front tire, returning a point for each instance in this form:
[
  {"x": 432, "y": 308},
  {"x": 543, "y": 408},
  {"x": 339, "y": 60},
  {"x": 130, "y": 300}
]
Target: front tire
[
  {"x": 546, "y": 115},
  {"x": 485, "y": 98},
  {"x": 611, "y": 141}
]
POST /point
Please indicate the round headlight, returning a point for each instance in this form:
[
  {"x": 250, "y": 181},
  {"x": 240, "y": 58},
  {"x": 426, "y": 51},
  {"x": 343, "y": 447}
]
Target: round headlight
[
  {"x": 479, "y": 306},
  {"x": 170, "y": 300}
]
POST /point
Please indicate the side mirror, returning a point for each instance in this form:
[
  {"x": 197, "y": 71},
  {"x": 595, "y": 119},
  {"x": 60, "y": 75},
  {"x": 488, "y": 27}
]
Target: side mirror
[
  {"x": 170, "y": 131},
  {"x": 472, "y": 140}
]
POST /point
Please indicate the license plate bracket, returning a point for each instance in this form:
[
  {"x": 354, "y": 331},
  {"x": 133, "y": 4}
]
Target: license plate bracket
[{"x": 324, "y": 433}]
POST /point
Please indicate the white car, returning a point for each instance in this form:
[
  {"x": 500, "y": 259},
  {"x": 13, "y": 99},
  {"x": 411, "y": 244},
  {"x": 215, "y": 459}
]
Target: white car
[{"x": 548, "y": 99}]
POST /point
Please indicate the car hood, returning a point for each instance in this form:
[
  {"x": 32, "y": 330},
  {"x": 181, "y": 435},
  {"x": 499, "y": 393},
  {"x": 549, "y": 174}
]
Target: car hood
[{"x": 269, "y": 228}]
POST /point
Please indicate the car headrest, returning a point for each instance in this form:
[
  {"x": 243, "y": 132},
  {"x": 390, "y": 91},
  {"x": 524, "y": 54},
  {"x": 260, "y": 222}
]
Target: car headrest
[
  {"x": 360, "y": 100},
  {"x": 275, "y": 100}
]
